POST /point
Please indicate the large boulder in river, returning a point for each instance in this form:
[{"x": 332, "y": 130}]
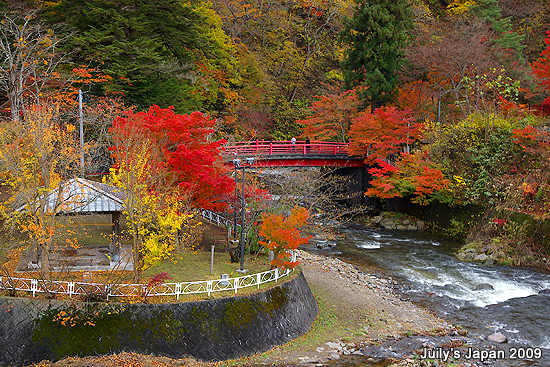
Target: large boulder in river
[
  {"x": 480, "y": 257},
  {"x": 497, "y": 338},
  {"x": 484, "y": 287}
]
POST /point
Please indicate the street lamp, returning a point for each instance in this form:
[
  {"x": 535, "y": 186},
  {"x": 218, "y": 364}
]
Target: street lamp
[{"x": 237, "y": 163}]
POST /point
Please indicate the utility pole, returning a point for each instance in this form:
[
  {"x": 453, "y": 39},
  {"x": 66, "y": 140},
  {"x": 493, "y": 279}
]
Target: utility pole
[{"x": 81, "y": 132}]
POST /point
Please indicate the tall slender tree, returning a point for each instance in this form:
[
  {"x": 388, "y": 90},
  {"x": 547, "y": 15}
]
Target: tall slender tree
[
  {"x": 28, "y": 59},
  {"x": 376, "y": 36}
]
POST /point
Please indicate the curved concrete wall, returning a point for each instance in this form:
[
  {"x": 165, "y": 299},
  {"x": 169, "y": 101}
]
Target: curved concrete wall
[{"x": 33, "y": 330}]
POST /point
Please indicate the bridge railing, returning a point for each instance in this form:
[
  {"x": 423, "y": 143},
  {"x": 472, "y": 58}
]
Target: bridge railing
[
  {"x": 219, "y": 220},
  {"x": 266, "y": 147}
]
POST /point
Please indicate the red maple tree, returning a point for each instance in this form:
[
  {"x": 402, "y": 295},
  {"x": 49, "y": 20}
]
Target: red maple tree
[
  {"x": 541, "y": 68},
  {"x": 186, "y": 150},
  {"x": 412, "y": 174}
]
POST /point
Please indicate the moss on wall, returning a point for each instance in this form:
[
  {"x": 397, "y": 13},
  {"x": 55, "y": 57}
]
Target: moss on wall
[
  {"x": 215, "y": 329},
  {"x": 79, "y": 329}
]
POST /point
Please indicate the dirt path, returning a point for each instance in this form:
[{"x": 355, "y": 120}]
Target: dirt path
[{"x": 357, "y": 310}]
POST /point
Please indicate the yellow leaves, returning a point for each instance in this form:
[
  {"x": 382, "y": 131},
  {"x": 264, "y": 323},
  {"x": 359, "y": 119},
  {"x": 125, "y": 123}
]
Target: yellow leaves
[
  {"x": 459, "y": 180},
  {"x": 74, "y": 318},
  {"x": 460, "y": 6},
  {"x": 35, "y": 155}
]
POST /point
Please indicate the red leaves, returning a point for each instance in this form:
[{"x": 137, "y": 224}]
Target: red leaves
[
  {"x": 411, "y": 175},
  {"x": 283, "y": 234},
  {"x": 541, "y": 68},
  {"x": 185, "y": 151},
  {"x": 532, "y": 141},
  {"x": 379, "y": 135}
]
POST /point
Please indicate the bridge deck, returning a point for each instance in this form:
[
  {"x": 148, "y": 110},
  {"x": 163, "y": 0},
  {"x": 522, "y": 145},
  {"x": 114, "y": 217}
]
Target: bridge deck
[{"x": 286, "y": 154}]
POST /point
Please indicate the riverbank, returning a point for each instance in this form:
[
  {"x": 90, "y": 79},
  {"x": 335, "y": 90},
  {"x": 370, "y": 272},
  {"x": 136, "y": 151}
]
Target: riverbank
[{"x": 357, "y": 310}]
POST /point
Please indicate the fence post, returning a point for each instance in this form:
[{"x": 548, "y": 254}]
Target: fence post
[
  {"x": 108, "y": 288},
  {"x": 34, "y": 286},
  {"x": 258, "y": 279},
  {"x": 270, "y": 148},
  {"x": 209, "y": 287}
]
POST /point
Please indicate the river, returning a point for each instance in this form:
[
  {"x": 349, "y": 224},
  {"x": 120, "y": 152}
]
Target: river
[{"x": 432, "y": 277}]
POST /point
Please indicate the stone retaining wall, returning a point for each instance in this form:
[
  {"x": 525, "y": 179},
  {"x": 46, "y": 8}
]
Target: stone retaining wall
[{"x": 33, "y": 330}]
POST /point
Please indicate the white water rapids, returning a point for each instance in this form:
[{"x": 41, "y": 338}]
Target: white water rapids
[{"x": 428, "y": 267}]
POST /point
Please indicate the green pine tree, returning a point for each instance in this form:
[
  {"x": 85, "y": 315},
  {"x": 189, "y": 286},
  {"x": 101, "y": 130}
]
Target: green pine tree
[
  {"x": 376, "y": 36},
  {"x": 491, "y": 13}
]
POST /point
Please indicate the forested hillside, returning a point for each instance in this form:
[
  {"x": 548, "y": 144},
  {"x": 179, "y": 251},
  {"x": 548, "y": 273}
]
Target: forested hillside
[
  {"x": 257, "y": 65},
  {"x": 449, "y": 100}
]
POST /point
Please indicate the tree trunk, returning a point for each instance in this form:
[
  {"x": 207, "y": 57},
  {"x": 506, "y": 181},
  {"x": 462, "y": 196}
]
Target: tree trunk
[
  {"x": 135, "y": 255},
  {"x": 45, "y": 261},
  {"x": 34, "y": 253}
]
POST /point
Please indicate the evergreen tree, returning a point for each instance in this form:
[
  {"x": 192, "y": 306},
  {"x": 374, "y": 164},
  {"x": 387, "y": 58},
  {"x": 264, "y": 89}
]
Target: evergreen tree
[
  {"x": 376, "y": 36},
  {"x": 156, "y": 51},
  {"x": 491, "y": 13}
]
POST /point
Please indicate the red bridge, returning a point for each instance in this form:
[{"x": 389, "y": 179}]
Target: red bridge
[{"x": 286, "y": 154}]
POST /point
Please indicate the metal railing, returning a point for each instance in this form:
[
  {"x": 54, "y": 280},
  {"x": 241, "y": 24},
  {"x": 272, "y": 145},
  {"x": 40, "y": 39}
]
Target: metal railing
[
  {"x": 266, "y": 147},
  {"x": 37, "y": 286},
  {"x": 217, "y": 219}
]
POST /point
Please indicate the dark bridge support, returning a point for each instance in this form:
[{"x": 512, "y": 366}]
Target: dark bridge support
[{"x": 359, "y": 178}]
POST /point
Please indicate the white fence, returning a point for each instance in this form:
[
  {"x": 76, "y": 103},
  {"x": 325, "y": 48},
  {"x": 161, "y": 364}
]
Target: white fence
[{"x": 106, "y": 291}]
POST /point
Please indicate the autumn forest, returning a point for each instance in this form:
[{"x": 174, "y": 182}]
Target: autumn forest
[{"x": 448, "y": 101}]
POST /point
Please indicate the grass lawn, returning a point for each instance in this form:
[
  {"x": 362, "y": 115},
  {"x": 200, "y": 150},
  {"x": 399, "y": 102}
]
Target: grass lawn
[
  {"x": 95, "y": 231},
  {"x": 189, "y": 265}
]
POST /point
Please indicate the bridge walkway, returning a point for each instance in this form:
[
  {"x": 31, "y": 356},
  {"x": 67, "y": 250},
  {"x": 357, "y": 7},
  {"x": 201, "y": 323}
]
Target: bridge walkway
[{"x": 287, "y": 154}]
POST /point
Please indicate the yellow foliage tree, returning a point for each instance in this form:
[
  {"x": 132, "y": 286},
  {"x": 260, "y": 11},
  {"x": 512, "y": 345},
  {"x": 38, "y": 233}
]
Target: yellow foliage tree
[
  {"x": 37, "y": 157},
  {"x": 156, "y": 209}
]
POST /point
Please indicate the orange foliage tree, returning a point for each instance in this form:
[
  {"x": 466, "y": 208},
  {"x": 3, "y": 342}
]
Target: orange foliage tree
[
  {"x": 282, "y": 235},
  {"x": 413, "y": 174},
  {"x": 418, "y": 97},
  {"x": 331, "y": 116},
  {"x": 37, "y": 158},
  {"x": 531, "y": 179},
  {"x": 383, "y": 133}
]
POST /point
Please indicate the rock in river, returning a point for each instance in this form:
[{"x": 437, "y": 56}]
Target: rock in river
[
  {"x": 497, "y": 338},
  {"x": 484, "y": 287}
]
